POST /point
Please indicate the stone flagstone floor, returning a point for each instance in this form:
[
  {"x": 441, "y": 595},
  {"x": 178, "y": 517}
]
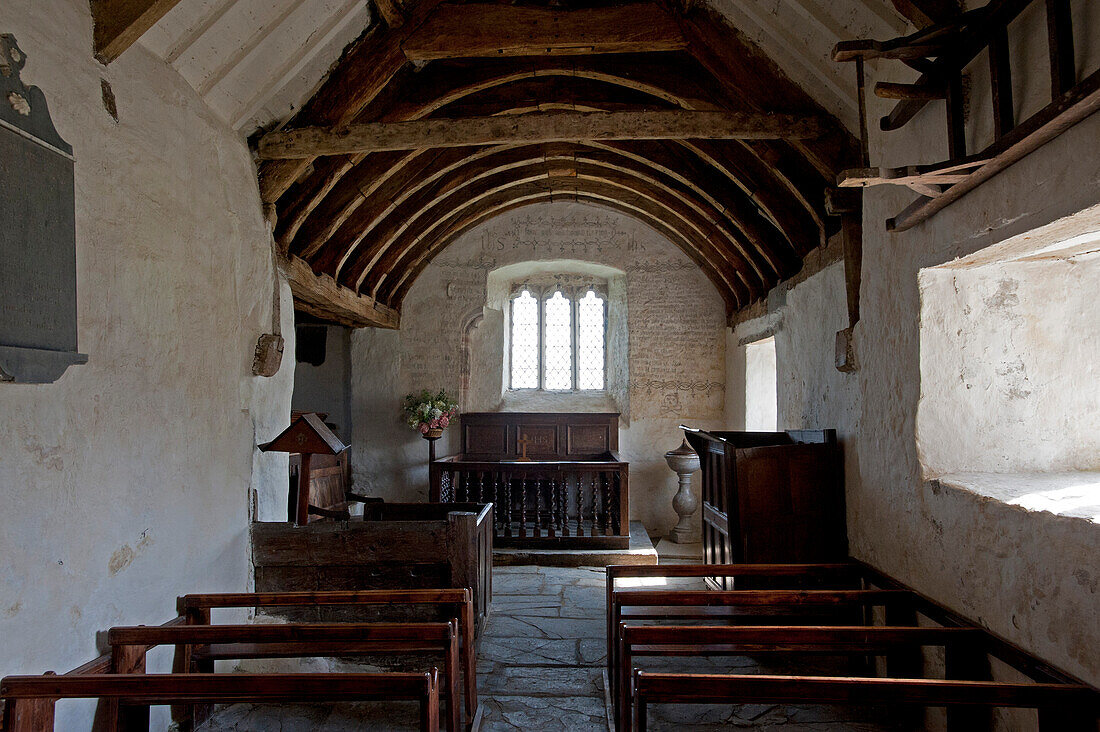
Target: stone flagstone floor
[{"x": 541, "y": 667}]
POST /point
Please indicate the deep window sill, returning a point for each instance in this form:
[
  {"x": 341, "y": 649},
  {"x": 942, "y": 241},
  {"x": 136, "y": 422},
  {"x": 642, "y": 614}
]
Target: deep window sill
[{"x": 1073, "y": 494}]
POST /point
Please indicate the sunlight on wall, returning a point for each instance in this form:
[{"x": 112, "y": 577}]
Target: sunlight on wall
[
  {"x": 1008, "y": 363},
  {"x": 761, "y": 410}
]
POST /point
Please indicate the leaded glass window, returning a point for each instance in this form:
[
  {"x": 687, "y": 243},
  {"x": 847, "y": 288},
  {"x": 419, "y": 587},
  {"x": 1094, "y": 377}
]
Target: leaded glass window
[
  {"x": 558, "y": 337},
  {"x": 525, "y": 342},
  {"x": 590, "y": 341},
  {"x": 558, "y": 343}
]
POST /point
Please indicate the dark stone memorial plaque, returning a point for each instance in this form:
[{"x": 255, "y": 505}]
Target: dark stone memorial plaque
[{"x": 37, "y": 233}]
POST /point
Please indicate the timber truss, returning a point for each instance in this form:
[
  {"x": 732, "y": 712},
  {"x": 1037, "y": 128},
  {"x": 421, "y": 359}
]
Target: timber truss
[
  {"x": 942, "y": 53},
  {"x": 446, "y": 114},
  {"x": 451, "y": 114}
]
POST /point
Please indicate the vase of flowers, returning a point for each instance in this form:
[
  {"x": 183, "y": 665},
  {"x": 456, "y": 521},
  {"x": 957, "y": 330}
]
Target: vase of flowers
[{"x": 429, "y": 414}]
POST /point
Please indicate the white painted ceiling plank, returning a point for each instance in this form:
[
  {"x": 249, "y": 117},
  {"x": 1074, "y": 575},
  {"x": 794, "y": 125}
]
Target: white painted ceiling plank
[
  {"x": 195, "y": 32},
  {"x": 294, "y": 64},
  {"x": 791, "y": 50},
  {"x": 884, "y": 10},
  {"x": 812, "y": 11},
  {"x": 246, "y": 49}
]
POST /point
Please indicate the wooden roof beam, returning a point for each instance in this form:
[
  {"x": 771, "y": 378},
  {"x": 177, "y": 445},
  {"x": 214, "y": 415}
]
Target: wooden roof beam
[
  {"x": 540, "y": 127},
  {"x": 754, "y": 81},
  {"x": 491, "y": 31},
  {"x": 391, "y": 11},
  {"x": 360, "y": 76},
  {"x": 323, "y": 298},
  {"x": 118, "y": 24}
]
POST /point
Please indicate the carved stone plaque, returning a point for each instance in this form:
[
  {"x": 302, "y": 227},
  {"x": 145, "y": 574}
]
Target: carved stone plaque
[{"x": 37, "y": 235}]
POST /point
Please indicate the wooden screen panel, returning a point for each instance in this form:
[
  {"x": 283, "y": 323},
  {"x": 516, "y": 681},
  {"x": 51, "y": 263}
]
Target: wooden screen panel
[
  {"x": 542, "y": 439},
  {"x": 587, "y": 439},
  {"x": 551, "y": 435},
  {"x": 788, "y": 497},
  {"x": 485, "y": 438}
]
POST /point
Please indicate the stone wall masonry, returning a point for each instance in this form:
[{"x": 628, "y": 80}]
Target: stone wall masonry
[
  {"x": 127, "y": 482},
  {"x": 673, "y": 355}
]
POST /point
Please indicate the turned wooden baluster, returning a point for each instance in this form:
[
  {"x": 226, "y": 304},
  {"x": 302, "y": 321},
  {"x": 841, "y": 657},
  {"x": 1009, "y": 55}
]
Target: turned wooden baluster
[
  {"x": 498, "y": 514},
  {"x": 523, "y": 506},
  {"x": 617, "y": 494},
  {"x": 552, "y": 523},
  {"x": 580, "y": 507},
  {"x": 508, "y": 502},
  {"x": 597, "y": 501},
  {"x": 537, "y": 531},
  {"x": 565, "y": 505}
]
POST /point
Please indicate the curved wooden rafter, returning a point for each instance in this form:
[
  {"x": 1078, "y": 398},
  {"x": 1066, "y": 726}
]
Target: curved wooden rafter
[
  {"x": 746, "y": 211},
  {"x": 432, "y": 204},
  {"x": 464, "y": 220},
  {"x": 705, "y": 242},
  {"x": 404, "y": 216}
]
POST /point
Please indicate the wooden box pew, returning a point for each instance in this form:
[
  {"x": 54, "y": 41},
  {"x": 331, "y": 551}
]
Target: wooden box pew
[
  {"x": 392, "y": 546},
  {"x": 446, "y": 604},
  {"x": 30, "y": 700},
  {"x": 855, "y": 643},
  {"x": 1061, "y": 707},
  {"x": 208, "y": 643}
]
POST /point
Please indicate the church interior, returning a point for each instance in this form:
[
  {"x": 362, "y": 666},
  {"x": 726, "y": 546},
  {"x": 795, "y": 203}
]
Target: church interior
[{"x": 550, "y": 365}]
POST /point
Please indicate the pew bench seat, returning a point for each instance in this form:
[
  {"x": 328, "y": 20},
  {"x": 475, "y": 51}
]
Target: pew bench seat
[{"x": 30, "y": 700}]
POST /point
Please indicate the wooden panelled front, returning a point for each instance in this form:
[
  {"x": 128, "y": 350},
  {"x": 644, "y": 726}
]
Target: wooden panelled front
[
  {"x": 565, "y": 436},
  {"x": 574, "y": 491},
  {"x": 396, "y": 545},
  {"x": 771, "y": 497}
]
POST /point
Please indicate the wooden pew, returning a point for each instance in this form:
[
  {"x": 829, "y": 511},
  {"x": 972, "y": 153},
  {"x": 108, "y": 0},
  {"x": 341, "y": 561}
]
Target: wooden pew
[
  {"x": 30, "y": 700},
  {"x": 969, "y": 694},
  {"x": 840, "y": 575},
  {"x": 725, "y": 640},
  {"x": 1062, "y": 707},
  {"x": 209, "y": 643},
  {"x": 712, "y": 605},
  {"x": 455, "y": 603}
]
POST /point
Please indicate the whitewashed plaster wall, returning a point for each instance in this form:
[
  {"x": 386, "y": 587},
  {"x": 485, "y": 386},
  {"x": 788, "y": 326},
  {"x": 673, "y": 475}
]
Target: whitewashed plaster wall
[
  {"x": 676, "y": 345},
  {"x": 1009, "y": 359},
  {"x": 127, "y": 482},
  {"x": 1030, "y": 576},
  {"x": 810, "y": 392}
]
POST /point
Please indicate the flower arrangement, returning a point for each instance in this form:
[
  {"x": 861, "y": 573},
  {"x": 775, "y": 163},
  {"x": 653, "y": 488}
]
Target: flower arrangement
[{"x": 426, "y": 411}]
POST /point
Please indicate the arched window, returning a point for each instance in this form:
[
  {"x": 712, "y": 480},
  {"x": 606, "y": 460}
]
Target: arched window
[{"x": 558, "y": 338}]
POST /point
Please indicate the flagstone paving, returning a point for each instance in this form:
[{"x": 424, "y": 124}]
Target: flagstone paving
[{"x": 541, "y": 667}]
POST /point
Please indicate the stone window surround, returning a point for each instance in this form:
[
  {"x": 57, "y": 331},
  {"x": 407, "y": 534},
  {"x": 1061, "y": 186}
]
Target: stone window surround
[
  {"x": 615, "y": 397},
  {"x": 1072, "y": 494}
]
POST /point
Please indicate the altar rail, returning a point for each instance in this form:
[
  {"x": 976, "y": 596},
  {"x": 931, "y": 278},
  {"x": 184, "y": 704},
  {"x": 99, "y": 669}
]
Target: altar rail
[{"x": 543, "y": 503}]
